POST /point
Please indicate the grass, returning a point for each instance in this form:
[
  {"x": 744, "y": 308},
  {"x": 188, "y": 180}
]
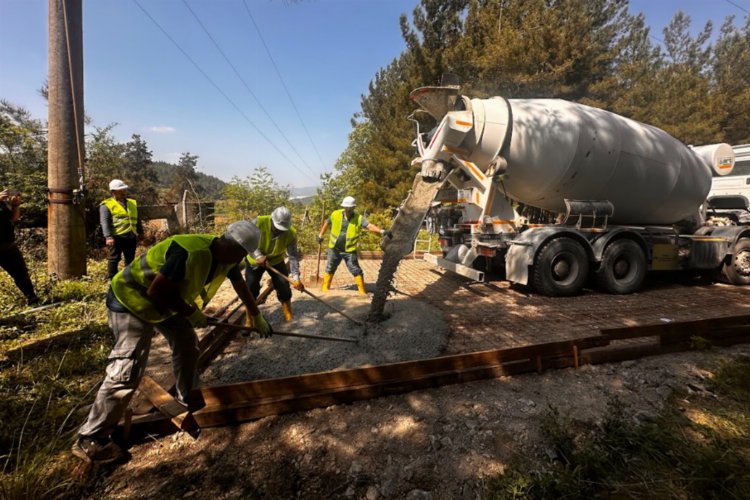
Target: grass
[
  {"x": 698, "y": 447},
  {"x": 50, "y": 363},
  {"x": 695, "y": 449}
]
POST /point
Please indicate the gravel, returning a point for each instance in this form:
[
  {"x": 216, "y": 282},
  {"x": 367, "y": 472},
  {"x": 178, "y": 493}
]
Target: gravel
[{"x": 412, "y": 330}]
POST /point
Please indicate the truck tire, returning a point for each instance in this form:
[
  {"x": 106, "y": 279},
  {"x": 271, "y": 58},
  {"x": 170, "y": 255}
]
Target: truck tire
[
  {"x": 560, "y": 268},
  {"x": 737, "y": 270},
  {"x": 623, "y": 267}
]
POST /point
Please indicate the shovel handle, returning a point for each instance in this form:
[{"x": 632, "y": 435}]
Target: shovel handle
[
  {"x": 358, "y": 323},
  {"x": 216, "y": 322}
]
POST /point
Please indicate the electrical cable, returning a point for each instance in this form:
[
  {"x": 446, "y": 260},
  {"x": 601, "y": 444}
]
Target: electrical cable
[
  {"x": 283, "y": 83},
  {"x": 738, "y": 6},
  {"x": 216, "y": 86},
  {"x": 257, "y": 101}
]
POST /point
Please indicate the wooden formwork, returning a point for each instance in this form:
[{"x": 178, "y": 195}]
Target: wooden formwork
[{"x": 234, "y": 403}]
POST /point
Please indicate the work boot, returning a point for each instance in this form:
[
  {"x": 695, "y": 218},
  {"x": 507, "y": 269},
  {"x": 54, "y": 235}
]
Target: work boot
[
  {"x": 96, "y": 450},
  {"x": 327, "y": 278},
  {"x": 286, "y": 309},
  {"x": 248, "y": 319},
  {"x": 360, "y": 281}
]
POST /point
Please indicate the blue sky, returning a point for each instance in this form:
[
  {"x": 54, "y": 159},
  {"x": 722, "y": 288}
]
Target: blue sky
[{"x": 327, "y": 51}]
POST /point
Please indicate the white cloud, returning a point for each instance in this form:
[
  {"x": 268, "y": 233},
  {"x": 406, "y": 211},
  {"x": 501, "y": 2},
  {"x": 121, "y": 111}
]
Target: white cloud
[{"x": 162, "y": 129}]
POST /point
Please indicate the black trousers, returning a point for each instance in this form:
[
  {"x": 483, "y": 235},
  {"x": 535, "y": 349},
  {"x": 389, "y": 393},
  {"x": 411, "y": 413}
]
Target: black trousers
[
  {"x": 11, "y": 259},
  {"x": 254, "y": 274},
  {"x": 124, "y": 247}
]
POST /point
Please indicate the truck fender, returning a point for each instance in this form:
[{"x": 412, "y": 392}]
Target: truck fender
[
  {"x": 600, "y": 244},
  {"x": 732, "y": 233},
  {"x": 523, "y": 249}
]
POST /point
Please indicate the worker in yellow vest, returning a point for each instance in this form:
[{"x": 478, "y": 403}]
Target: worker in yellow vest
[
  {"x": 278, "y": 239},
  {"x": 346, "y": 226},
  {"x": 164, "y": 289},
  {"x": 121, "y": 226}
]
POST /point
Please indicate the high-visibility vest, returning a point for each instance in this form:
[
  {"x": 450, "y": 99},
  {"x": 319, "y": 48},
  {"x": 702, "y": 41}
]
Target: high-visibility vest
[
  {"x": 274, "y": 250},
  {"x": 123, "y": 221},
  {"x": 353, "y": 230},
  {"x": 130, "y": 284}
]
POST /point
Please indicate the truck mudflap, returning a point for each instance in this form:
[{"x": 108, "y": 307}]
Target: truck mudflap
[{"x": 522, "y": 251}]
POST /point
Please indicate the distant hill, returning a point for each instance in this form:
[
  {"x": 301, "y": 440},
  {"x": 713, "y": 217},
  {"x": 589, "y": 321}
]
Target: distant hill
[
  {"x": 209, "y": 187},
  {"x": 303, "y": 191}
]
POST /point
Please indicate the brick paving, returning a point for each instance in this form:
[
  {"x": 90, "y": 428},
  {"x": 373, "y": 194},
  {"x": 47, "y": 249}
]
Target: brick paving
[{"x": 497, "y": 316}]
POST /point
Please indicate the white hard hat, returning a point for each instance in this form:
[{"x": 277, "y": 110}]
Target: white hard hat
[
  {"x": 348, "y": 202},
  {"x": 117, "y": 185},
  {"x": 282, "y": 218},
  {"x": 244, "y": 233}
]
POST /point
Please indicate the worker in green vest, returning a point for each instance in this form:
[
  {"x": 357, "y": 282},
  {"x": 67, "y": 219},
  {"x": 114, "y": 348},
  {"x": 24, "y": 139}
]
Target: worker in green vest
[
  {"x": 121, "y": 226},
  {"x": 346, "y": 226},
  {"x": 278, "y": 239},
  {"x": 164, "y": 289}
]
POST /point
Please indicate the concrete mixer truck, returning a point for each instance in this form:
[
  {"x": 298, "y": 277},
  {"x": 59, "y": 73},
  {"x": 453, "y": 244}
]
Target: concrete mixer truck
[{"x": 552, "y": 193}]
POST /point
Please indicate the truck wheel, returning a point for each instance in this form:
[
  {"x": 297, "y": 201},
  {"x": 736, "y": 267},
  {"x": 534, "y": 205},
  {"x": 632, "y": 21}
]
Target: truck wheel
[
  {"x": 623, "y": 267},
  {"x": 737, "y": 270},
  {"x": 560, "y": 268}
]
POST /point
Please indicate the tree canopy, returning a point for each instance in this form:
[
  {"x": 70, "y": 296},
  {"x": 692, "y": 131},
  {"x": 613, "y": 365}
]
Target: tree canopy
[{"x": 590, "y": 51}]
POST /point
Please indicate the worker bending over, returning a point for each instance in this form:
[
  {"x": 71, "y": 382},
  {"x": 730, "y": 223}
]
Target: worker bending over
[
  {"x": 166, "y": 289},
  {"x": 346, "y": 226},
  {"x": 277, "y": 239},
  {"x": 118, "y": 216}
]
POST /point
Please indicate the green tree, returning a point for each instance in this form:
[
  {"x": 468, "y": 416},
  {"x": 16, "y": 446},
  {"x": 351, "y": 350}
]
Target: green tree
[
  {"x": 185, "y": 175},
  {"x": 138, "y": 163},
  {"x": 257, "y": 194},
  {"x": 104, "y": 162},
  {"x": 685, "y": 105},
  {"x": 730, "y": 67},
  {"x": 23, "y": 159},
  {"x": 632, "y": 84}
]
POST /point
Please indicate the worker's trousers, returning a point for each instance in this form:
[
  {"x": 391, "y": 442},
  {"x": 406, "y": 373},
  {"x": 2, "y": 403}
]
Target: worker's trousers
[
  {"x": 125, "y": 246},
  {"x": 127, "y": 364},
  {"x": 11, "y": 259},
  {"x": 253, "y": 275},
  {"x": 334, "y": 258}
]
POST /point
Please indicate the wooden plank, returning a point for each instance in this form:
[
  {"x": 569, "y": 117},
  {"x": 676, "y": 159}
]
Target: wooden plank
[
  {"x": 316, "y": 382},
  {"x": 246, "y": 401},
  {"x": 168, "y": 406},
  {"x": 689, "y": 328}
]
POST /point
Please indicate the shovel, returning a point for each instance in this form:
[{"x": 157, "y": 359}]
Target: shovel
[
  {"x": 217, "y": 322},
  {"x": 358, "y": 323}
]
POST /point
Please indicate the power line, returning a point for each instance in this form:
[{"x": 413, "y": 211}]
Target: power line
[
  {"x": 283, "y": 83},
  {"x": 229, "y": 100},
  {"x": 738, "y": 6},
  {"x": 260, "y": 105}
]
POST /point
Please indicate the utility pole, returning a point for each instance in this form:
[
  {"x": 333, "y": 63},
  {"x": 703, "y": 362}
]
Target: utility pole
[{"x": 66, "y": 235}]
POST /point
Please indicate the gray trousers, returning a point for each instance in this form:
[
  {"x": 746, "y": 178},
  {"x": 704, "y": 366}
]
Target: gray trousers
[{"x": 127, "y": 364}]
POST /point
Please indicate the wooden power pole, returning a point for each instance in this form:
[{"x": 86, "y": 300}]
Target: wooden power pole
[{"x": 66, "y": 238}]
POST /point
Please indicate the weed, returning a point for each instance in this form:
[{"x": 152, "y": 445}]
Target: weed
[
  {"x": 50, "y": 362},
  {"x": 698, "y": 450}
]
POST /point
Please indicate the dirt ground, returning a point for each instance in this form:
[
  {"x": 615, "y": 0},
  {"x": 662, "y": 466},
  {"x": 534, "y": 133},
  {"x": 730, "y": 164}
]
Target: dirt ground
[{"x": 446, "y": 442}]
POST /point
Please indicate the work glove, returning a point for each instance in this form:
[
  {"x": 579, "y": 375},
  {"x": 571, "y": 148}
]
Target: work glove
[
  {"x": 320, "y": 239},
  {"x": 297, "y": 284},
  {"x": 386, "y": 233},
  {"x": 260, "y": 324},
  {"x": 198, "y": 319}
]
